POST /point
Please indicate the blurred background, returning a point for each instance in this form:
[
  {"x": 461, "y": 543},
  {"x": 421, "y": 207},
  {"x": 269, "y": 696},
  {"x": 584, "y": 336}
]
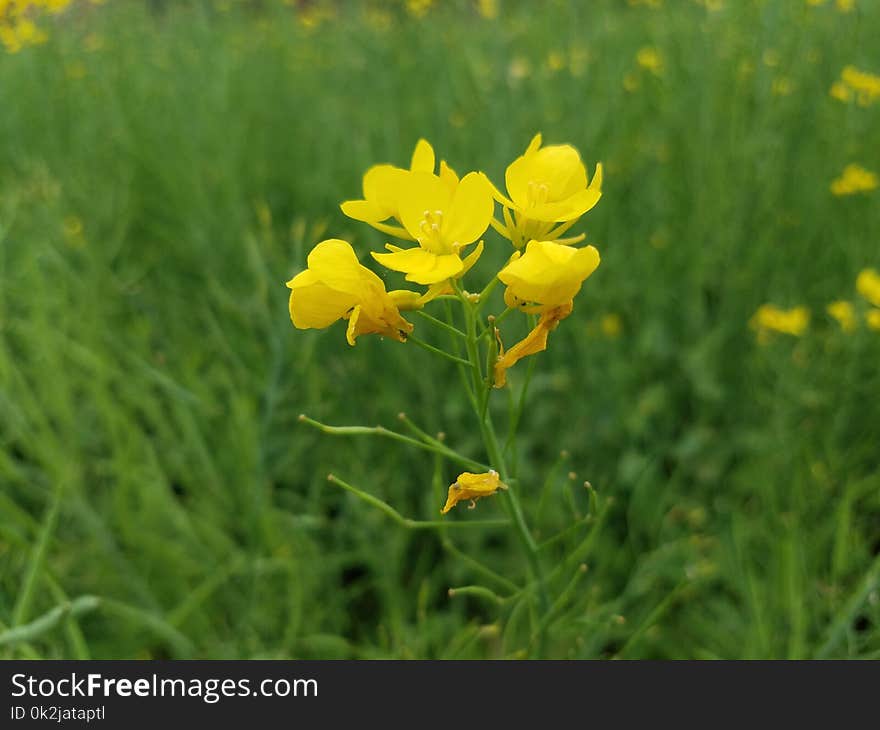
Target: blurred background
[{"x": 166, "y": 166}]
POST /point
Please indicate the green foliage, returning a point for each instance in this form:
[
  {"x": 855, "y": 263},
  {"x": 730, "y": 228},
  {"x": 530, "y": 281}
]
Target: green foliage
[{"x": 165, "y": 168}]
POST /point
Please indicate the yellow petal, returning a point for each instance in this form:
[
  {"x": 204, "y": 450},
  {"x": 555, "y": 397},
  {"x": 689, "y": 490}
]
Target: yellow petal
[
  {"x": 471, "y": 487},
  {"x": 421, "y": 266},
  {"x": 314, "y": 305},
  {"x": 549, "y": 273},
  {"x": 334, "y": 262},
  {"x": 468, "y": 261},
  {"x": 448, "y": 175},
  {"x": 534, "y": 342},
  {"x": 382, "y": 185},
  {"x": 364, "y": 210},
  {"x": 470, "y": 210},
  {"x": 534, "y": 145},
  {"x": 423, "y": 192},
  {"x": 423, "y": 157}
]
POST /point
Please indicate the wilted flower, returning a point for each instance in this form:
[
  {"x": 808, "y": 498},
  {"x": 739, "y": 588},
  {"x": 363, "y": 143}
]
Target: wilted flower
[
  {"x": 544, "y": 280},
  {"x": 472, "y": 487}
]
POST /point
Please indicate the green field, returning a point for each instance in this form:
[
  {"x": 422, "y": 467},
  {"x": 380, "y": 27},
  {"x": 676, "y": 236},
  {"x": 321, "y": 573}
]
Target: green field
[{"x": 165, "y": 168}]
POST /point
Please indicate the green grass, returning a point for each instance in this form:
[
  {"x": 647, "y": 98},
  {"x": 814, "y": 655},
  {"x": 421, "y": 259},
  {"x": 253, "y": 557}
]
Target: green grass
[{"x": 159, "y": 498}]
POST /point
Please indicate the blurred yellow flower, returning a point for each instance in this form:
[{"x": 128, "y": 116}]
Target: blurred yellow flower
[
  {"x": 854, "y": 179},
  {"x": 770, "y": 318},
  {"x": 547, "y": 275},
  {"x": 868, "y": 285},
  {"x": 443, "y": 218},
  {"x": 418, "y": 8},
  {"x": 845, "y": 6},
  {"x": 873, "y": 319},
  {"x": 611, "y": 325},
  {"x": 488, "y": 8},
  {"x": 546, "y": 185},
  {"x": 841, "y": 91},
  {"x": 472, "y": 487},
  {"x": 782, "y": 86},
  {"x": 845, "y": 314},
  {"x": 649, "y": 58},
  {"x": 555, "y": 61},
  {"x": 862, "y": 86},
  {"x": 336, "y": 286}
]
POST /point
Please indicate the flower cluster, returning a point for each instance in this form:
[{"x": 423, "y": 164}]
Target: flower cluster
[
  {"x": 855, "y": 85},
  {"x": 770, "y": 319},
  {"x": 439, "y": 219},
  {"x": 18, "y": 28},
  {"x": 854, "y": 179}
]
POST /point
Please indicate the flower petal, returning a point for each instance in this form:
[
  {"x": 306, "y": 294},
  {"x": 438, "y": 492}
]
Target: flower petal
[
  {"x": 422, "y": 192},
  {"x": 470, "y": 210},
  {"x": 421, "y": 266},
  {"x": 423, "y": 157}
]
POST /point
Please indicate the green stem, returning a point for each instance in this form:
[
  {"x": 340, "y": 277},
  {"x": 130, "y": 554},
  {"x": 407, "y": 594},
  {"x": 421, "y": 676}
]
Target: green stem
[
  {"x": 496, "y": 458},
  {"x": 436, "y": 350},
  {"x": 409, "y": 524},
  {"x": 437, "y": 448},
  {"x": 477, "y": 591},
  {"x": 443, "y": 325},
  {"x": 38, "y": 557}
]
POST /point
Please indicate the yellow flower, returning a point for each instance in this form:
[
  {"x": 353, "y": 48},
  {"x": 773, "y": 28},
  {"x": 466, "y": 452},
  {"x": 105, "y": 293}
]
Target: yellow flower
[
  {"x": 854, "y": 179},
  {"x": 611, "y": 325},
  {"x": 873, "y": 319},
  {"x": 472, "y": 487},
  {"x": 841, "y": 91},
  {"x": 846, "y": 6},
  {"x": 488, "y": 9},
  {"x": 864, "y": 85},
  {"x": 868, "y": 285},
  {"x": 547, "y": 275},
  {"x": 443, "y": 219},
  {"x": 546, "y": 186},
  {"x": 544, "y": 280},
  {"x": 844, "y": 313},
  {"x": 336, "y": 286},
  {"x": 383, "y": 184},
  {"x": 770, "y": 318},
  {"x": 650, "y": 59},
  {"x": 534, "y": 342}
]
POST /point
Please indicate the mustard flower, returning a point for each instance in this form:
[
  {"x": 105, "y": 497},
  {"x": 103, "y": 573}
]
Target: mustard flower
[
  {"x": 854, "y": 179},
  {"x": 472, "y": 487},
  {"x": 544, "y": 280},
  {"x": 650, "y": 59},
  {"x": 547, "y": 275},
  {"x": 382, "y": 185},
  {"x": 868, "y": 285},
  {"x": 547, "y": 192},
  {"x": 873, "y": 319},
  {"x": 844, "y": 313},
  {"x": 444, "y": 219},
  {"x": 336, "y": 286},
  {"x": 864, "y": 85},
  {"x": 770, "y": 318}
]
